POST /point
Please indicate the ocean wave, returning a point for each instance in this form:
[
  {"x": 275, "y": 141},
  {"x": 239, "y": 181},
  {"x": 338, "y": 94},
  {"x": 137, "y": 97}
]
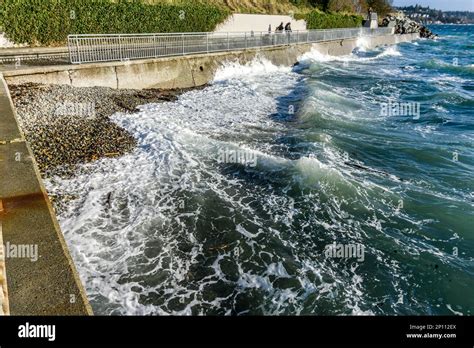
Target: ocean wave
[
  {"x": 316, "y": 56},
  {"x": 258, "y": 66},
  {"x": 450, "y": 67},
  {"x": 170, "y": 229},
  {"x": 314, "y": 172}
]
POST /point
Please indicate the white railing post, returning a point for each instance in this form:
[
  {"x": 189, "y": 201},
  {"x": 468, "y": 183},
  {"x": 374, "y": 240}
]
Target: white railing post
[
  {"x": 182, "y": 36},
  {"x": 69, "y": 48},
  {"x": 228, "y": 42},
  {"x": 78, "y": 58},
  {"x": 207, "y": 42},
  {"x": 78, "y": 51},
  {"x": 120, "y": 47},
  {"x": 246, "y": 45}
]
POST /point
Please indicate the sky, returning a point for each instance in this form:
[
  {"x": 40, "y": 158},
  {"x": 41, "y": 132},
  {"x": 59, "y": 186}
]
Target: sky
[{"x": 446, "y": 5}]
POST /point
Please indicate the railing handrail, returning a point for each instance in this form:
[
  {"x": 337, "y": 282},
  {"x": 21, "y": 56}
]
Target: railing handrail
[
  {"x": 89, "y": 48},
  {"x": 220, "y": 33}
]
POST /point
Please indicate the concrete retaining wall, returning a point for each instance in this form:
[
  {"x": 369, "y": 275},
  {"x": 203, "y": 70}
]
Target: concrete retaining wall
[
  {"x": 257, "y": 22},
  {"x": 181, "y": 72}
]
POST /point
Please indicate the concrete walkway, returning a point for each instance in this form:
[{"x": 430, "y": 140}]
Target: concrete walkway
[{"x": 37, "y": 268}]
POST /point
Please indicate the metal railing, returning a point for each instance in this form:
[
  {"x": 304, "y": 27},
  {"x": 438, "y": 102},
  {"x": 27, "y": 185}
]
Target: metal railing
[{"x": 92, "y": 48}]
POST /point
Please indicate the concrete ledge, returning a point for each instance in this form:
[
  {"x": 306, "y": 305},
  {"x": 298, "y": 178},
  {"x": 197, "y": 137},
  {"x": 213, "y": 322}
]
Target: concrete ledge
[
  {"x": 32, "y": 51},
  {"x": 9, "y": 130},
  {"x": 183, "y": 71},
  {"x": 47, "y": 284}
]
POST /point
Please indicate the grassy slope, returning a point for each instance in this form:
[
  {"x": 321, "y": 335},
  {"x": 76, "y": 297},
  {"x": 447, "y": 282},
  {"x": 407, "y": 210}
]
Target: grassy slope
[{"x": 250, "y": 6}]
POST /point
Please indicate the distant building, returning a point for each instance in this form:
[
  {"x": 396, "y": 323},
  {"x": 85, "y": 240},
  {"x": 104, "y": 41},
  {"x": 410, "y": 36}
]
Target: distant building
[{"x": 428, "y": 15}]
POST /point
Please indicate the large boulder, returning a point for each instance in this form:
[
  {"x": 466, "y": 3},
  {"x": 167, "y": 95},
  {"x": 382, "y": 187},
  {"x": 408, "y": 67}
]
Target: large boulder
[{"x": 404, "y": 25}]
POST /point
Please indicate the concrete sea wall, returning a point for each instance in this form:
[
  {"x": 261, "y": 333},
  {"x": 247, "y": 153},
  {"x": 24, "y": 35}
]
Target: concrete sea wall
[{"x": 184, "y": 71}]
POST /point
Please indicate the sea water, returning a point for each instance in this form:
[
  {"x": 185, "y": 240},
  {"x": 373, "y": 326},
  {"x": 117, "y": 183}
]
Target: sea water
[{"x": 370, "y": 152}]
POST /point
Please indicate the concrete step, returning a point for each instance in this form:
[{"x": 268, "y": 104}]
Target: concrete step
[{"x": 38, "y": 270}]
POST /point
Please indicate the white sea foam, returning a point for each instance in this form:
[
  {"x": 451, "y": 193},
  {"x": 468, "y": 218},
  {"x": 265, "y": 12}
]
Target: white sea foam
[
  {"x": 128, "y": 223},
  {"x": 316, "y": 56},
  {"x": 259, "y": 66},
  {"x": 314, "y": 172},
  {"x": 446, "y": 79},
  {"x": 363, "y": 44},
  {"x": 391, "y": 51},
  {"x": 168, "y": 229}
]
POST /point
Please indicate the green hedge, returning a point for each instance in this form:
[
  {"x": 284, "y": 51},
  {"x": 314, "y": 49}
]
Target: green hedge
[
  {"x": 48, "y": 22},
  {"x": 321, "y": 20}
]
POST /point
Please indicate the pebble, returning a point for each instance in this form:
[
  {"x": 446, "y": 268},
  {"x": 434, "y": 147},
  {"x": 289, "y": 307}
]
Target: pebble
[{"x": 66, "y": 126}]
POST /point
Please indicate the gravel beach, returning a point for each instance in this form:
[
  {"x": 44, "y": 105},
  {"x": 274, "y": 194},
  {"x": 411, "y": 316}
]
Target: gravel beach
[{"x": 66, "y": 126}]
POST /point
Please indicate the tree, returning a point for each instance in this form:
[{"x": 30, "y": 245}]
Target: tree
[
  {"x": 382, "y": 7},
  {"x": 341, "y": 6},
  {"x": 320, "y": 4}
]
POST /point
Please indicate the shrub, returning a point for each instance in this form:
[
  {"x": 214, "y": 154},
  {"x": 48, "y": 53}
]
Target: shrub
[
  {"x": 48, "y": 22},
  {"x": 320, "y": 20}
]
